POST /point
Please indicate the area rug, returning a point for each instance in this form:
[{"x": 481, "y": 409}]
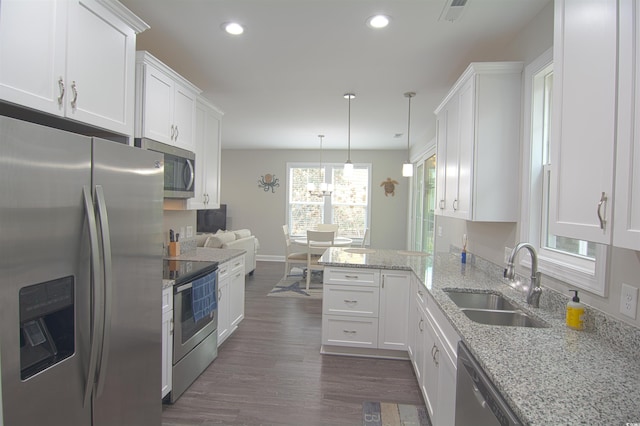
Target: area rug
[
  {"x": 295, "y": 285},
  {"x": 392, "y": 414}
]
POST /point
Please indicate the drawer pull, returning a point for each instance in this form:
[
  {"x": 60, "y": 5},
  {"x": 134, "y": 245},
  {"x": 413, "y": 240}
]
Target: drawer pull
[
  {"x": 350, "y": 302},
  {"x": 354, "y": 277},
  {"x": 349, "y": 331}
]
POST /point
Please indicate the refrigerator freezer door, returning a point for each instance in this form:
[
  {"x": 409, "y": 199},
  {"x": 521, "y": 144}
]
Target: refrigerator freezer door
[
  {"x": 43, "y": 237},
  {"x": 129, "y": 372}
]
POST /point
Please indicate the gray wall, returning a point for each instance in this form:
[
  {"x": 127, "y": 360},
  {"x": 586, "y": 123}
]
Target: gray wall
[{"x": 249, "y": 206}]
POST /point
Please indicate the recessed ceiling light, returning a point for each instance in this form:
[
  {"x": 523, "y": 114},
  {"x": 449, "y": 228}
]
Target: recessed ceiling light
[
  {"x": 233, "y": 28},
  {"x": 378, "y": 21}
]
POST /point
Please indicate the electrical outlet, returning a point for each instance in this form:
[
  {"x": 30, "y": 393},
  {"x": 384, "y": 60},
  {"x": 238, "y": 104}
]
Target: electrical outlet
[
  {"x": 189, "y": 231},
  {"x": 507, "y": 253},
  {"x": 629, "y": 300},
  {"x": 439, "y": 231}
]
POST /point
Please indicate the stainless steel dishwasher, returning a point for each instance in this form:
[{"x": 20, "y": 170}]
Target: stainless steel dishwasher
[{"x": 478, "y": 402}]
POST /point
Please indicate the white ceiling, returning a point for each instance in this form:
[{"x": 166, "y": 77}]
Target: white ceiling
[{"x": 281, "y": 83}]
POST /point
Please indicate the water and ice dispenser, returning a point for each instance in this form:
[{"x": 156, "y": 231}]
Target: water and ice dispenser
[{"x": 47, "y": 324}]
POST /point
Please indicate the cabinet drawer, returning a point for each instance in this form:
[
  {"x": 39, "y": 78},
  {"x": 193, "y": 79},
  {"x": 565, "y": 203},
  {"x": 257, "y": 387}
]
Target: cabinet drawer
[
  {"x": 236, "y": 263},
  {"x": 224, "y": 270},
  {"x": 167, "y": 299},
  {"x": 359, "y": 276},
  {"x": 351, "y": 300},
  {"x": 350, "y": 331}
]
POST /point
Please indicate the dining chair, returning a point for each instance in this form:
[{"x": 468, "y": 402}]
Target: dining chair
[
  {"x": 292, "y": 257},
  {"x": 315, "y": 240},
  {"x": 328, "y": 227},
  {"x": 365, "y": 238}
]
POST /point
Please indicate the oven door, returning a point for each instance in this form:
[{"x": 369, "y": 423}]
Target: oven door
[{"x": 188, "y": 333}]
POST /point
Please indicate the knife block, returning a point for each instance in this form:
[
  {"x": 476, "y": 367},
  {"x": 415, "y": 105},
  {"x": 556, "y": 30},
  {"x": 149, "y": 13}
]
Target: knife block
[{"x": 174, "y": 249}]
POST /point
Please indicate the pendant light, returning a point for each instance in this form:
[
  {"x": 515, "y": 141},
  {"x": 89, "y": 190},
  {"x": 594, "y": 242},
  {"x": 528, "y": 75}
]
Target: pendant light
[
  {"x": 324, "y": 189},
  {"x": 348, "y": 166},
  {"x": 407, "y": 168}
]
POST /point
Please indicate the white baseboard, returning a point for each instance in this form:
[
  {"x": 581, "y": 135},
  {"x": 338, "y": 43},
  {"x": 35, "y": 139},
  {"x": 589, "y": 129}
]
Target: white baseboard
[{"x": 269, "y": 258}]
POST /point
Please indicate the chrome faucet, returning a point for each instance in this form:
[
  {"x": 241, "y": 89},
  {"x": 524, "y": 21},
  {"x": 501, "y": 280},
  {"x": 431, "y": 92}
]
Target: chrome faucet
[{"x": 533, "y": 296}]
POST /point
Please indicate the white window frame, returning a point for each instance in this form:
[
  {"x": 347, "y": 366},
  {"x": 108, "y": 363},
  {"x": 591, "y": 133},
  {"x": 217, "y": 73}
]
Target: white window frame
[
  {"x": 578, "y": 272},
  {"x": 327, "y": 201}
]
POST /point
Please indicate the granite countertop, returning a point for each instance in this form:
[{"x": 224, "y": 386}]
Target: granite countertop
[
  {"x": 204, "y": 254},
  {"x": 548, "y": 376}
]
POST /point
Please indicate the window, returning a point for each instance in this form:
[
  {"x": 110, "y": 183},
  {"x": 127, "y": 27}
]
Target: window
[
  {"x": 424, "y": 202},
  {"x": 348, "y": 205},
  {"x": 579, "y": 263}
]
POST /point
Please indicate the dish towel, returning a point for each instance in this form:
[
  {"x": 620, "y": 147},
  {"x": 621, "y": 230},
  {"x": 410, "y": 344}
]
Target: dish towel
[{"x": 203, "y": 294}]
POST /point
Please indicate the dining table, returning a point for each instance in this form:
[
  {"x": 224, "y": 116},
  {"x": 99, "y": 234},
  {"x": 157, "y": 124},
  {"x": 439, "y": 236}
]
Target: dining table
[{"x": 337, "y": 242}]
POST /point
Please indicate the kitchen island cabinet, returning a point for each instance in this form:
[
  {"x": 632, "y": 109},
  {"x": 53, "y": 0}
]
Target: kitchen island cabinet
[
  {"x": 365, "y": 312},
  {"x": 72, "y": 59}
]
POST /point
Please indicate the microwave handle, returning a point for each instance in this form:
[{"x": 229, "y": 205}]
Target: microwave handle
[{"x": 191, "y": 177}]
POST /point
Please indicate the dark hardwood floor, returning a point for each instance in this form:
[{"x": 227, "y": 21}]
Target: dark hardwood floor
[{"x": 271, "y": 372}]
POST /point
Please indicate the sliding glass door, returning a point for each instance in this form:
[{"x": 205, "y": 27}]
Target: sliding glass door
[{"x": 424, "y": 199}]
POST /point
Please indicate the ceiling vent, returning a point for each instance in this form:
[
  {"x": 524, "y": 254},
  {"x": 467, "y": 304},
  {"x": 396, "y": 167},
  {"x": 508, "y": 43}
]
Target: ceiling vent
[{"x": 452, "y": 10}]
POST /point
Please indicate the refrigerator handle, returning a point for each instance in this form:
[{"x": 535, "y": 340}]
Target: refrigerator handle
[
  {"x": 108, "y": 287},
  {"x": 96, "y": 295}
]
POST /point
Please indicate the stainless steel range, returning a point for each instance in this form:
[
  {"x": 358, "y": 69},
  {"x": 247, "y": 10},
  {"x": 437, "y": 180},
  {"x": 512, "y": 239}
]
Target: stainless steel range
[{"x": 195, "y": 335}]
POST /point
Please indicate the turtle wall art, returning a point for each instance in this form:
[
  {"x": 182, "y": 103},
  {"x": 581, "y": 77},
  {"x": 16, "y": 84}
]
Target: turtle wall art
[
  {"x": 389, "y": 187},
  {"x": 268, "y": 182}
]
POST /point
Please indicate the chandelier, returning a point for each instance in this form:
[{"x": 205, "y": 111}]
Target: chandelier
[{"x": 324, "y": 189}]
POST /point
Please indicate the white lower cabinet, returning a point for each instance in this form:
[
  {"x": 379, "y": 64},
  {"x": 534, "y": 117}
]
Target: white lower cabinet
[
  {"x": 434, "y": 356},
  {"x": 167, "y": 339},
  {"x": 230, "y": 297},
  {"x": 365, "y": 308}
]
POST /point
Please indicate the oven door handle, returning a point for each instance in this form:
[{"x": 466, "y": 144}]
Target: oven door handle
[{"x": 184, "y": 287}]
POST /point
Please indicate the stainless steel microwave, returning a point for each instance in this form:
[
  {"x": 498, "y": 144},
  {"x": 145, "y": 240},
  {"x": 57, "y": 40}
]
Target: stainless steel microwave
[{"x": 179, "y": 167}]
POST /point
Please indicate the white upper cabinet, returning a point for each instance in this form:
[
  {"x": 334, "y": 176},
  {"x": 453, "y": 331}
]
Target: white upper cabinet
[
  {"x": 207, "y": 149},
  {"x": 73, "y": 59},
  {"x": 165, "y": 104},
  {"x": 584, "y": 119},
  {"x": 626, "y": 230},
  {"x": 595, "y": 151},
  {"x": 478, "y": 144}
]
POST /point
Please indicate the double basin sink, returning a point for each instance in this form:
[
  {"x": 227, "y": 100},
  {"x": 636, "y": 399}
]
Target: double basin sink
[{"x": 492, "y": 308}]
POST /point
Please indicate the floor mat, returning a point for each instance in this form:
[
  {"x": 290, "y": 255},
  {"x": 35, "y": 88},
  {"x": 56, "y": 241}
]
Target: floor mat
[{"x": 392, "y": 414}]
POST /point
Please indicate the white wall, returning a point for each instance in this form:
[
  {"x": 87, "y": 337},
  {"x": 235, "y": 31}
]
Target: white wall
[{"x": 249, "y": 206}]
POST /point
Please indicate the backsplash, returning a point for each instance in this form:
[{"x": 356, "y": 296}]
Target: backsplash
[{"x": 618, "y": 333}]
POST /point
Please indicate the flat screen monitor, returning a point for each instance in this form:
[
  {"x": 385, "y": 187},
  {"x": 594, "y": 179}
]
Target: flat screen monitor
[{"x": 212, "y": 220}]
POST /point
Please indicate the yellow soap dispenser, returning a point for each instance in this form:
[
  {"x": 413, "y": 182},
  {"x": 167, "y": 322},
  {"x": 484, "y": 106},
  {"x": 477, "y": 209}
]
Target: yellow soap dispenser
[{"x": 575, "y": 313}]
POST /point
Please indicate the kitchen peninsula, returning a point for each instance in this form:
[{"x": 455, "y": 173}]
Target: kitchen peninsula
[{"x": 547, "y": 375}]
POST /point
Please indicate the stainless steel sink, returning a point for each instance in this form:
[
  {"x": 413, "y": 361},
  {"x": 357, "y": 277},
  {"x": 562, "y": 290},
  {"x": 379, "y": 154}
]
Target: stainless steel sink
[
  {"x": 492, "y": 308},
  {"x": 485, "y": 300},
  {"x": 510, "y": 318}
]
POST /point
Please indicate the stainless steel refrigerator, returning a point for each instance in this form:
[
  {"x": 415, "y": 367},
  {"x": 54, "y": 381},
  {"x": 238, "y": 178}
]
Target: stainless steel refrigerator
[{"x": 80, "y": 279}]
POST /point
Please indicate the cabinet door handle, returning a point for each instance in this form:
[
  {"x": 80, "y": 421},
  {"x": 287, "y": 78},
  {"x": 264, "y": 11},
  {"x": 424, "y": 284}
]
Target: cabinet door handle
[
  {"x": 436, "y": 357},
  {"x": 173, "y": 132},
  {"x": 219, "y": 295},
  {"x": 177, "y": 133},
  {"x": 61, "y": 88},
  {"x": 441, "y": 204},
  {"x": 171, "y": 328},
  {"x": 603, "y": 200},
  {"x": 455, "y": 205},
  {"x": 420, "y": 327},
  {"x": 74, "y": 89},
  {"x": 383, "y": 281}
]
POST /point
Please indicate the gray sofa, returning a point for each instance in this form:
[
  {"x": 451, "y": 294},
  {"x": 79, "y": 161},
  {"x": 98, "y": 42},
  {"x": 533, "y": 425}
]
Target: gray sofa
[{"x": 240, "y": 239}]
